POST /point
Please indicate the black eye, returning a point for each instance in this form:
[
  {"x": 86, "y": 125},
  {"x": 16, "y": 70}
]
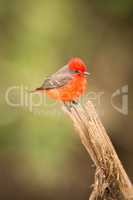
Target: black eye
[{"x": 77, "y": 71}]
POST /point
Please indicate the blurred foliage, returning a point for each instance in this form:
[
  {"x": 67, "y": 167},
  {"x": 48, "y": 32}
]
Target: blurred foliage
[
  {"x": 119, "y": 8},
  {"x": 39, "y": 149}
]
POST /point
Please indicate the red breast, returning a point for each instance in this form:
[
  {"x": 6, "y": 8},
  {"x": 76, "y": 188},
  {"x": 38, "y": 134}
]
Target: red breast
[{"x": 74, "y": 89}]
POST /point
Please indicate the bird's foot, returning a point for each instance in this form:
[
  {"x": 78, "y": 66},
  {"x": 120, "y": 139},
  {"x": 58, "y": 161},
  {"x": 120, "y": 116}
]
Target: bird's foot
[
  {"x": 69, "y": 105},
  {"x": 74, "y": 102}
]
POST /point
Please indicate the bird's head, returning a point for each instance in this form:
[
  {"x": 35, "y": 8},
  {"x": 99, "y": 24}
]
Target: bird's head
[{"x": 77, "y": 67}]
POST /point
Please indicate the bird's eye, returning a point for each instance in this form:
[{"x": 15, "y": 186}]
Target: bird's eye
[{"x": 77, "y": 71}]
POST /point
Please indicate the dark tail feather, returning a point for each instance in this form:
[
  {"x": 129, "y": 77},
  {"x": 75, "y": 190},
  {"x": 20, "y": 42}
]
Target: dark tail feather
[
  {"x": 35, "y": 90},
  {"x": 39, "y": 89}
]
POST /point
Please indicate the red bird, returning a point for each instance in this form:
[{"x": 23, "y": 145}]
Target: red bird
[{"x": 68, "y": 83}]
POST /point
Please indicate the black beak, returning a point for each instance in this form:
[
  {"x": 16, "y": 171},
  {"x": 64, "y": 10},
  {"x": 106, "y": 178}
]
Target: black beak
[{"x": 86, "y": 73}]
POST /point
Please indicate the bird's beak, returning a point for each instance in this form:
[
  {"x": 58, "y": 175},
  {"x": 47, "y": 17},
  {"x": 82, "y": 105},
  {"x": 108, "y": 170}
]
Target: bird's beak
[{"x": 86, "y": 73}]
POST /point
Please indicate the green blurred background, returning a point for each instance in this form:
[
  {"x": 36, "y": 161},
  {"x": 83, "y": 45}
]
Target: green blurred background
[{"x": 41, "y": 156}]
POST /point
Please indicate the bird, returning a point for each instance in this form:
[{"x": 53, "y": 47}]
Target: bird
[{"x": 68, "y": 83}]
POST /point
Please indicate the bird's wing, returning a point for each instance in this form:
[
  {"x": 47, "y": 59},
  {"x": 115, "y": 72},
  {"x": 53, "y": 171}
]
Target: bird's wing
[{"x": 59, "y": 79}]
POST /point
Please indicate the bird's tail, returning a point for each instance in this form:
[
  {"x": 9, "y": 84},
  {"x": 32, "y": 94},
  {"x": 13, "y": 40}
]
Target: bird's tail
[{"x": 36, "y": 90}]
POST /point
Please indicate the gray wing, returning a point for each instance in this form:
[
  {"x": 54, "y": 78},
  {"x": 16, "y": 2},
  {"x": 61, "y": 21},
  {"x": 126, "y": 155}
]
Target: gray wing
[{"x": 59, "y": 79}]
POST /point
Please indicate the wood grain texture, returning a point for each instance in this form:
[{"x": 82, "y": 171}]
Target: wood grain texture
[{"x": 111, "y": 181}]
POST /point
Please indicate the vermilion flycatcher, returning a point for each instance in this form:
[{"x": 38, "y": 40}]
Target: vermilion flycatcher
[{"x": 68, "y": 83}]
